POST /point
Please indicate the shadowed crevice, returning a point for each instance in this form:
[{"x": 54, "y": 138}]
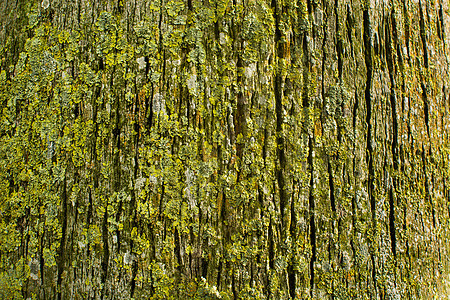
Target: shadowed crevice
[
  {"x": 62, "y": 245},
  {"x": 394, "y": 145},
  {"x": 312, "y": 223},
  {"x": 369, "y": 148}
]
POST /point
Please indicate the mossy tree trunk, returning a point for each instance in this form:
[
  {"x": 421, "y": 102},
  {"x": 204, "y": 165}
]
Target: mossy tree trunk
[{"x": 226, "y": 149}]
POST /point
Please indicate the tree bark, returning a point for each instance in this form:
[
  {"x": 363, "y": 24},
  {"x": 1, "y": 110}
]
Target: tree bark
[{"x": 180, "y": 149}]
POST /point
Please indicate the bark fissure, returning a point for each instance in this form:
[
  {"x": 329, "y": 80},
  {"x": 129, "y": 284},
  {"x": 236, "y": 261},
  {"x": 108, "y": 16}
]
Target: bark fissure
[
  {"x": 62, "y": 245},
  {"x": 134, "y": 221},
  {"x": 105, "y": 258},
  {"x": 279, "y": 110},
  {"x": 339, "y": 41},
  {"x": 427, "y": 185},
  {"x": 394, "y": 145},
  {"x": 312, "y": 223},
  {"x": 423, "y": 37},
  {"x": 441, "y": 26},
  {"x": 369, "y": 146},
  {"x": 368, "y": 96},
  {"x": 331, "y": 184}
]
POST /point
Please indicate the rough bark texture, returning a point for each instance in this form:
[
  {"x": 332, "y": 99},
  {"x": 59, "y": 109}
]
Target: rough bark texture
[{"x": 232, "y": 149}]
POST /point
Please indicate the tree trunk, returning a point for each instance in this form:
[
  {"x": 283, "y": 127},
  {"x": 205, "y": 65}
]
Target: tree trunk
[{"x": 190, "y": 149}]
